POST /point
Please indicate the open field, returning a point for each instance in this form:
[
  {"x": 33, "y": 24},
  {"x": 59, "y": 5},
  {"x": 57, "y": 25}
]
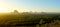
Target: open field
[{"x": 30, "y": 20}]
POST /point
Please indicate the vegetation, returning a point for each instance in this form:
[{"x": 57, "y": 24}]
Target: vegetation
[{"x": 28, "y": 18}]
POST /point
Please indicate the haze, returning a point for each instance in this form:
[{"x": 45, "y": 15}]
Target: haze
[{"x": 30, "y": 5}]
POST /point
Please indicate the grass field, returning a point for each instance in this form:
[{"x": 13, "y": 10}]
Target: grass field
[{"x": 9, "y": 19}]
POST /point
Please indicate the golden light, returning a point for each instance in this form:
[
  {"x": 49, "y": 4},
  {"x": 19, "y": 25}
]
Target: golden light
[{"x": 3, "y": 10}]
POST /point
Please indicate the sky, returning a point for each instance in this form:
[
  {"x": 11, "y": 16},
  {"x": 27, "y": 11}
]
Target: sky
[{"x": 30, "y": 5}]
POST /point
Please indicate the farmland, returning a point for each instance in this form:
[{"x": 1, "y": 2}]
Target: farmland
[{"x": 18, "y": 19}]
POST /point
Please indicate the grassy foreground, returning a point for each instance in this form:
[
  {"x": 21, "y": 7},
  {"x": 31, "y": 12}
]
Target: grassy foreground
[{"x": 28, "y": 18}]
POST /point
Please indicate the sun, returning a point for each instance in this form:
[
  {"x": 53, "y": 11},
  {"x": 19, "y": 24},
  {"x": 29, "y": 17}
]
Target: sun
[{"x": 3, "y": 10}]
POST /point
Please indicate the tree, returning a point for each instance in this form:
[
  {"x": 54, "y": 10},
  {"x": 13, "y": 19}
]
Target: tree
[{"x": 15, "y": 11}]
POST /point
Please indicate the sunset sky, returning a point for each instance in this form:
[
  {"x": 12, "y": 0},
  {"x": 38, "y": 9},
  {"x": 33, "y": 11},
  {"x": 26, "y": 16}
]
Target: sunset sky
[{"x": 30, "y": 5}]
